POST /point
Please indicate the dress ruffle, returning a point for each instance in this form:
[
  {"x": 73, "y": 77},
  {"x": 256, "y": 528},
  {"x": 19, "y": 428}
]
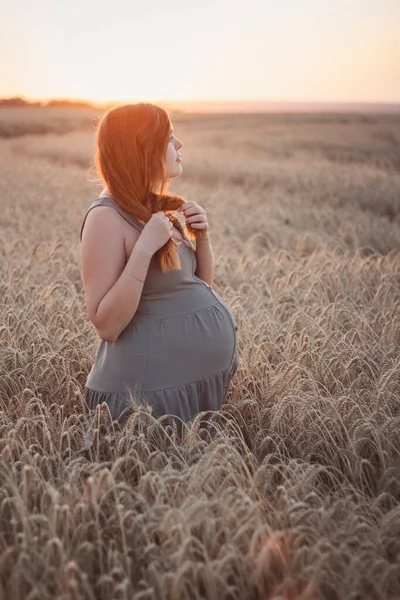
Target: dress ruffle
[{"x": 177, "y": 404}]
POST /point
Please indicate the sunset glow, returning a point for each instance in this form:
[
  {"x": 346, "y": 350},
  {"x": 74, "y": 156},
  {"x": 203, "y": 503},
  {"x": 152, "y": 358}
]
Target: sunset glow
[{"x": 299, "y": 50}]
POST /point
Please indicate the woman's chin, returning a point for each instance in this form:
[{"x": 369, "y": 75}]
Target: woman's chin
[{"x": 176, "y": 173}]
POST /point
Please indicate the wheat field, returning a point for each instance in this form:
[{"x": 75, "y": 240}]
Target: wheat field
[{"x": 292, "y": 493}]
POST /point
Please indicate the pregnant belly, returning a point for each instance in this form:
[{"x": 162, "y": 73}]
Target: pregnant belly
[{"x": 190, "y": 347}]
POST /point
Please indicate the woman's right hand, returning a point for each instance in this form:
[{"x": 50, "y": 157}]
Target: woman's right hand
[{"x": 157, "y": 231}]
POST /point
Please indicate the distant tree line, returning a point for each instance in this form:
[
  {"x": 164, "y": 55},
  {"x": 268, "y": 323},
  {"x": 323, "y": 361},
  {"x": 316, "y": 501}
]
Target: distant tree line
[{"x": 21, "y": 103}]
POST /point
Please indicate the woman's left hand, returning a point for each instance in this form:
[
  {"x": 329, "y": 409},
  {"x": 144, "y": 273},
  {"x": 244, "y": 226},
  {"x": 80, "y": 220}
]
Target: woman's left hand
[{"x": 195, "y": 215}]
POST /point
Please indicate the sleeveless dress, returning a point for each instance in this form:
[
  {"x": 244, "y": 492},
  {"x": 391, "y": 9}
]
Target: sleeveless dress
[{"x": 178, "y": 353}]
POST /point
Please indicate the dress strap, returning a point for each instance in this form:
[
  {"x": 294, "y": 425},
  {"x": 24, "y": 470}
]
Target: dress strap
[{"x": 108, "y": 201}]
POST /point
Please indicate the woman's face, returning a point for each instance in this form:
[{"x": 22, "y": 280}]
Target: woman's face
[{"x": 172, "y": 157}]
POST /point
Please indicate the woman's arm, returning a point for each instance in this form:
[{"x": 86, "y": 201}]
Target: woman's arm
[
  {"x": 205, "y": 258},
  {"x": 111, "y": 295}
]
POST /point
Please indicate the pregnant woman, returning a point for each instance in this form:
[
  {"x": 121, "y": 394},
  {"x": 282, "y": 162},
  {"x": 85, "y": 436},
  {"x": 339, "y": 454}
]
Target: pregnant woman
[{"x": 167, "y": 340}]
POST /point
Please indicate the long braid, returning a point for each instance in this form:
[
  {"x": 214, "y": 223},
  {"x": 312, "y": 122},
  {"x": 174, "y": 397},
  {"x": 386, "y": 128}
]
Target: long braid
[{"x": 168, "y": 256}]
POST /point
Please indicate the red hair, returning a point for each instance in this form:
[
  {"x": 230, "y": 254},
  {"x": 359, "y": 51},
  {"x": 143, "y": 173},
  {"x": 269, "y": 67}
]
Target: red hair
[{"x": 131, "y": 144}]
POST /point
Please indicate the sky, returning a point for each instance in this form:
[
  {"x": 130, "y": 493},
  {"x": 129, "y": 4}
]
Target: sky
[{"x": 179, "y": 50}]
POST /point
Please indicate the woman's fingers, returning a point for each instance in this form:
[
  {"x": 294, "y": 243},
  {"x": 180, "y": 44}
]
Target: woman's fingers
[
  {"x": 200, "y": 225},
  {"x": 194, "y": 218}
]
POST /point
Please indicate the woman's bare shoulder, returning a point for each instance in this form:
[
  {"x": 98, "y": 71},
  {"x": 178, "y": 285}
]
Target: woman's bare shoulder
[
  {"x": 102, "y": 213},
  {"x": 104, "y": 225},
  {"x": 104, "y": 220}
]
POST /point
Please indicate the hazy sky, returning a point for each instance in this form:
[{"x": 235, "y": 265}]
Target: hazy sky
[{"x": 295, "y": 50}]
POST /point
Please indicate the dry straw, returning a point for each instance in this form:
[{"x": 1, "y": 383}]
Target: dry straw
[{"x": 292, "y": 489}]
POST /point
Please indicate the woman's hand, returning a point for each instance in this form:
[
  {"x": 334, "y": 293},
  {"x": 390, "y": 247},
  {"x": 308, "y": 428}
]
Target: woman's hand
[
  {"x": 196, "y": 216},
  {"x": 157, "y": 231}
]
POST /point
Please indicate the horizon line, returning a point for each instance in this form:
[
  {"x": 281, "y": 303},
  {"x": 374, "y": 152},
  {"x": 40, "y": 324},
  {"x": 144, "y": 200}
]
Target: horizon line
[
  {"x": 195, "y": 100},
  {"x": 245, "y": 105}
]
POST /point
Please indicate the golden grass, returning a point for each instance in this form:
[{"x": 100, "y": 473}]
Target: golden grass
[{"x": 293, "y": 492}]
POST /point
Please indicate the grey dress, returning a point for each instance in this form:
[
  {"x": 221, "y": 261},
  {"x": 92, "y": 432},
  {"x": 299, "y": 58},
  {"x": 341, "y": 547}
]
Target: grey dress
[{"x": 178, "y": 353}]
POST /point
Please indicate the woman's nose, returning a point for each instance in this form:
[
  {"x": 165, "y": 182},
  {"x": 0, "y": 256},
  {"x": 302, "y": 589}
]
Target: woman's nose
[{"x": 179, "y": 144}]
